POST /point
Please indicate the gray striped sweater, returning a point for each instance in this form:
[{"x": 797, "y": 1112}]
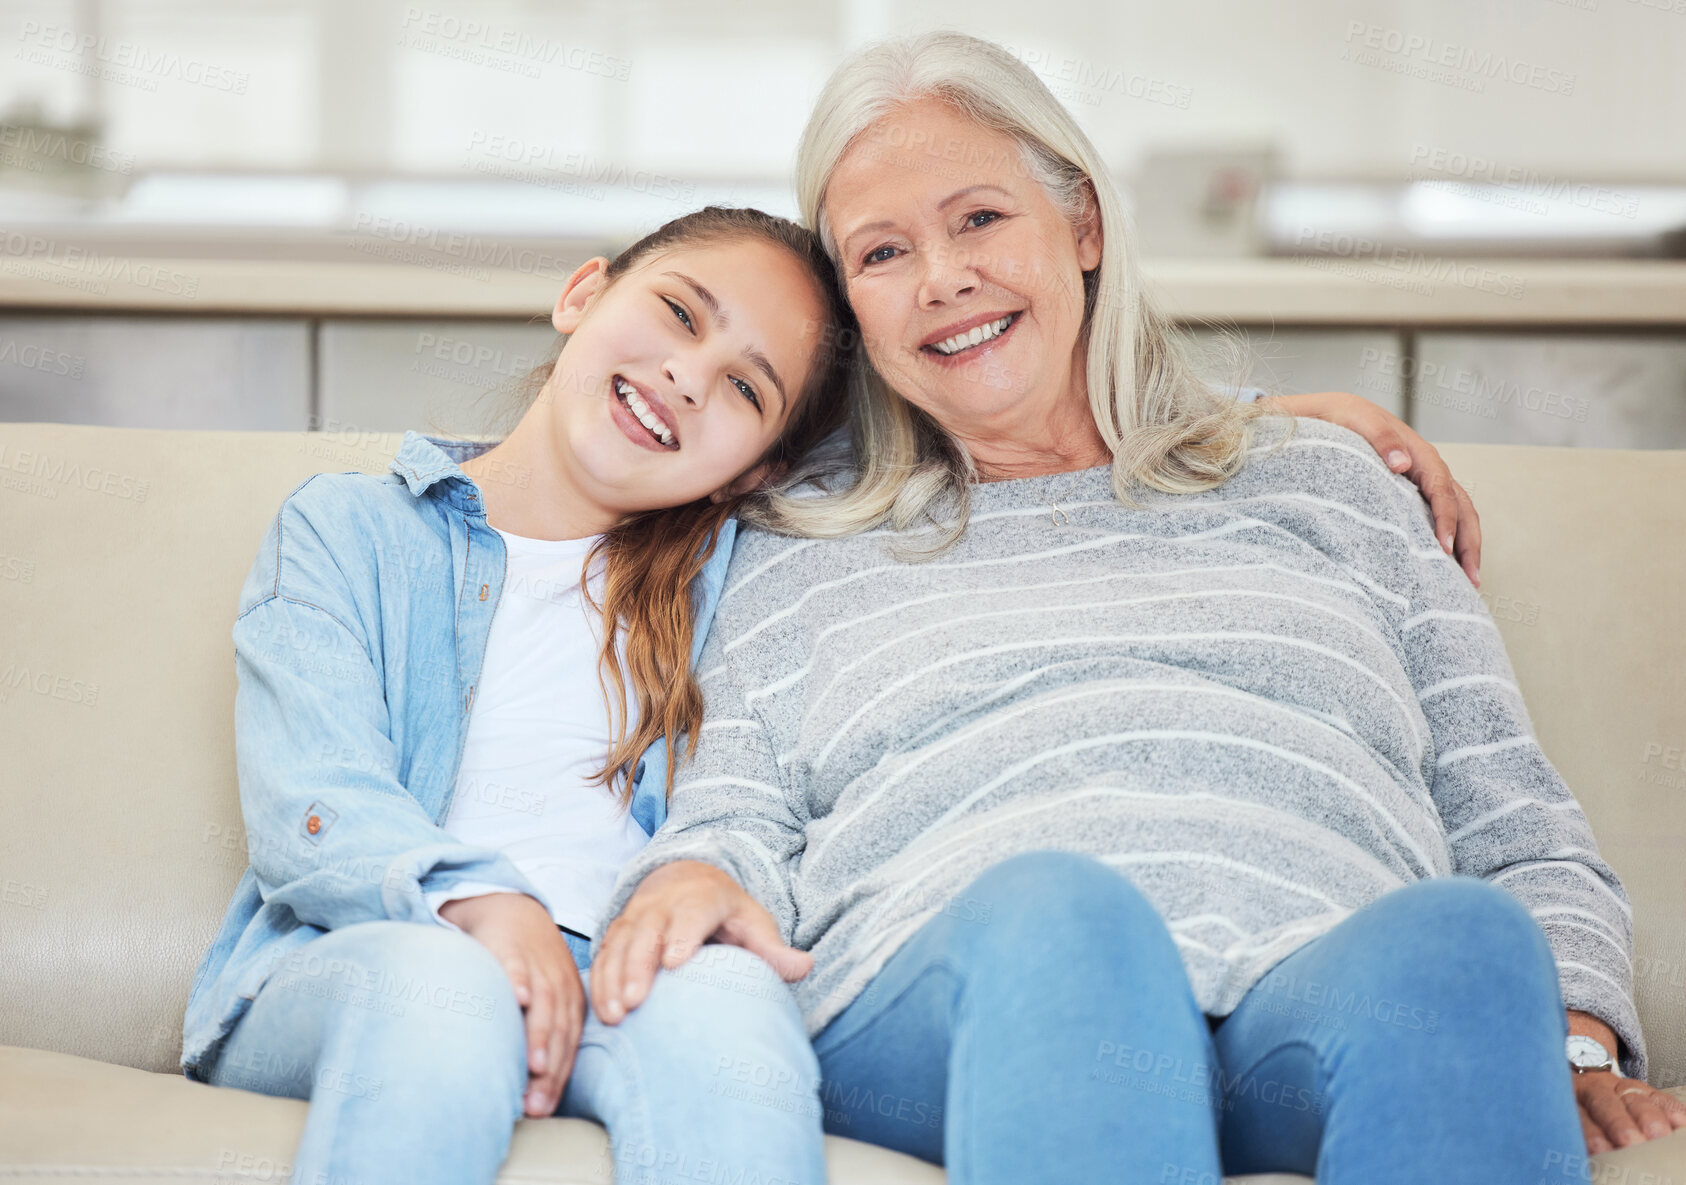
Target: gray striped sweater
[{"x": 1266, "y": 705}]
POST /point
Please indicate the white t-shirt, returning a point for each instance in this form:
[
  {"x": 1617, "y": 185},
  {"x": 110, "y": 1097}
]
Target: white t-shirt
[{"x": 536, "y": 731}]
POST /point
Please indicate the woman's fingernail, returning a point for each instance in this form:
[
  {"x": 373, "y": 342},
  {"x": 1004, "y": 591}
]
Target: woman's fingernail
[{"x": 1398, "y": 457}]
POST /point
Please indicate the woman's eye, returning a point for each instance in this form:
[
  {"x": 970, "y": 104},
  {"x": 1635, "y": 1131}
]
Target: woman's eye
[
  {"x": 749, "y": 391},
  {"x": 878, "y": 255},
  {"x": 679, "y": 311},
  {"x": 988, "y": 216}
]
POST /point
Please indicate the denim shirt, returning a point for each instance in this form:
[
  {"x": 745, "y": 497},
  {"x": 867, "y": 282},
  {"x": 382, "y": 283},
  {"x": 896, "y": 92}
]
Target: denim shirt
[{"x": 361, "y": 631}]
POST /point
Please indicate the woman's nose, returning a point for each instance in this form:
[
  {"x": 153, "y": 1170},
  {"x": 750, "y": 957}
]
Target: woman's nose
[{"x": 948, "y": 276}]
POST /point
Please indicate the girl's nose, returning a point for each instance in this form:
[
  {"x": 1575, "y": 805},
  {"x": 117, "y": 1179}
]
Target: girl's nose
[{"x": 685, "y": 382}]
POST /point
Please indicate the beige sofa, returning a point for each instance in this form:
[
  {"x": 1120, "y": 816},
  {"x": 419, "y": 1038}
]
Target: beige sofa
[{"x": 121, "y": 553}]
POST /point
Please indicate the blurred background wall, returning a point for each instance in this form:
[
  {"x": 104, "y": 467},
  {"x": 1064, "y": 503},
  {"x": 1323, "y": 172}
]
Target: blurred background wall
[{"x": 353, "y": 215}]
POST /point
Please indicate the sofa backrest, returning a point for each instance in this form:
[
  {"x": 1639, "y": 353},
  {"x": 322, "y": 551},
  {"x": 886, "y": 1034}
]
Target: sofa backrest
[{"x": 121, "y": 556}]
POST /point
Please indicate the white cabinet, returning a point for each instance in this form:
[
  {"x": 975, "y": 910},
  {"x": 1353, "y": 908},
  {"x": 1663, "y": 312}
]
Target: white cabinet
[
  {"x": 156, "y": 372},
  {"x": 1367, "y": 362},
  {"x": 467, "y": 378},
  {"x": 1590, "y": 390},
  {"x": 445, "y": 378}
]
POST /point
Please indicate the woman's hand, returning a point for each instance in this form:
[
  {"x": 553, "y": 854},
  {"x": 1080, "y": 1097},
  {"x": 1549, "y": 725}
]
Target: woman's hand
[
  {"x": 676, "y": 909},
  {"x": 521, "y": 933},
  {"x": 1619, "y": 1112},
  {"x": 1456, "y": 524}
]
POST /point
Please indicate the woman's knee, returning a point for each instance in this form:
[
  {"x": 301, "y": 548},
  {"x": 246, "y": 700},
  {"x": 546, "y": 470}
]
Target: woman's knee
[
  {"x": 1464, "y": 918},
  {"x": 1061, "y": 898},
  {"x": 1464, "y": 952}
]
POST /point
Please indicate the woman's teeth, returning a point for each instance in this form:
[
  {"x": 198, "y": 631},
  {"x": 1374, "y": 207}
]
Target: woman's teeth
[
  {"x": 639, "y": 408},
  {"x": 974, "y": 336}
]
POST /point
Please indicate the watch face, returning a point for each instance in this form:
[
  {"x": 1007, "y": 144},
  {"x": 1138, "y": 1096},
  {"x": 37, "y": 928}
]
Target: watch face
[{"x": 1587, "y": 1054}]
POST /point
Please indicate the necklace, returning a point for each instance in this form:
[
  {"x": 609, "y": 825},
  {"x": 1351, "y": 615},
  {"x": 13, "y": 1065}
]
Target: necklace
[{"x": 1059, "y": 514}]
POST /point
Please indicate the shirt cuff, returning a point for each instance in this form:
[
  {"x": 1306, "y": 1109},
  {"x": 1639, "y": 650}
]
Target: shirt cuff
[{"x": 458, "y": 892}]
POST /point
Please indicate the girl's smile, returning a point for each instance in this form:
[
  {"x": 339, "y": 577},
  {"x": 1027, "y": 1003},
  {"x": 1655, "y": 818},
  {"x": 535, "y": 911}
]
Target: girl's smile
[{"x": 640, "y": 413}]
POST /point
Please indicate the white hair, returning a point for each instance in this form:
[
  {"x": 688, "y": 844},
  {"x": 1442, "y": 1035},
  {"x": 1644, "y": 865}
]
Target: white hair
[{"x": 1165, "y": 428}]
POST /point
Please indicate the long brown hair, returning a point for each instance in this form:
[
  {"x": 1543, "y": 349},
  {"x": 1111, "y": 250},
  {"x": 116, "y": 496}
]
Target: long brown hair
[{"x": 652, "y": 557}]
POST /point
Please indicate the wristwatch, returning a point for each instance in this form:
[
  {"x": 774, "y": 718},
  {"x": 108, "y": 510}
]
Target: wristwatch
[{"x": 1587, "y": 1054}]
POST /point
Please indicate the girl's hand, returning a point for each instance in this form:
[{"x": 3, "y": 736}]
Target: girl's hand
[
  {"x": 1620, "y": 1112},
  {"x": 1456, "y": 524},
  {"x": 676, "y": 909},
  {"x": 521, "y": 933}
]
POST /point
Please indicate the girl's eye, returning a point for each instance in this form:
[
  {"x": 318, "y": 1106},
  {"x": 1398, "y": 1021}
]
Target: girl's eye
[
  {"x": 749, "y": 391},
  {"x": 679, "y": 311},
  {"x": 878, "y": 255},
  {"x": 988, "y": 215}
]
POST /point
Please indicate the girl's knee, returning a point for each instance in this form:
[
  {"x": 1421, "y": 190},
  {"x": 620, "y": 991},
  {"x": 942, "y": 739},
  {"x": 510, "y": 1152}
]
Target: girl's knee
[
  {"x": 420, "y": 963},
  {"x": 730, "y": 1011},
  {"x": 438, "y": 987},
  {"x": 378, "y": 1010},
  {"x": 733, "y": 984}
]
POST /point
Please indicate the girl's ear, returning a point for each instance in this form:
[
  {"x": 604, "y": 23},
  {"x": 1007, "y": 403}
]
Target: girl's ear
[
  {"x": 586, "y": 282},
  {"x": 764, "y": 474}
]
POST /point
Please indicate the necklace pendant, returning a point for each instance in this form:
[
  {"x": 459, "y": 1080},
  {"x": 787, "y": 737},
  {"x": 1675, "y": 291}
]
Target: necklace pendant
[{"x": 1058, "y": 515}]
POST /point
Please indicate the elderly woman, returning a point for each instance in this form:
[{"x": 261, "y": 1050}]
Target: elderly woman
[{"x": 1135, "y": 786}]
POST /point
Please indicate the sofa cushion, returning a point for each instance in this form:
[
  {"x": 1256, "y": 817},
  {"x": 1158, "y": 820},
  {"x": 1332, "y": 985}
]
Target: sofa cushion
[{"x": 64, "y": 1117}]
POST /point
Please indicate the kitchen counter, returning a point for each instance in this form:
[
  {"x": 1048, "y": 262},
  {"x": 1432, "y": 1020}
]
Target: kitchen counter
[{"x": 1406, "y": 289}]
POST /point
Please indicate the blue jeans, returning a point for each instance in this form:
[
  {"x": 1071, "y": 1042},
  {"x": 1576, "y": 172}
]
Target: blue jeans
[
  {"x": 412, "y": 1049},
  {"x": 1042, "y": 1028}
]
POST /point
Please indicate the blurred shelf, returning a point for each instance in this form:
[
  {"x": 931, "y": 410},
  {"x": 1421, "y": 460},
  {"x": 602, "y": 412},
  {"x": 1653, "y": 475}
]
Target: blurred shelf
[
  {"x": 501, "y": 245},
  {"x": 1531, "y": 216},
  {"x": 1301, "y": 291},
  {"x": 1422, "y": 291}
]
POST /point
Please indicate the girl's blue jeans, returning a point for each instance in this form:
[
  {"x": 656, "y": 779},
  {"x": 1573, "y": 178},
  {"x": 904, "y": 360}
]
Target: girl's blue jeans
[
  {"x": 412, "y": 1049},
  {"x": 1042, "y": 1028}
]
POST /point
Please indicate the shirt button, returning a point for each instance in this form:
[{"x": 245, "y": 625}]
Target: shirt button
[
  {"x": 484, "y": 589},
  {"x": 313, "y": 824}
]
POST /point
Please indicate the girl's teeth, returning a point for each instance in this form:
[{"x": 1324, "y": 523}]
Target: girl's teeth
[
  {"x": 642, "y": 410},
  {"x": 979, "y": 333}
]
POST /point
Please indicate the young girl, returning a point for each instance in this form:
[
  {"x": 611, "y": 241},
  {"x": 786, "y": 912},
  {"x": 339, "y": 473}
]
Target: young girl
[{"x": 420, "y": 729}]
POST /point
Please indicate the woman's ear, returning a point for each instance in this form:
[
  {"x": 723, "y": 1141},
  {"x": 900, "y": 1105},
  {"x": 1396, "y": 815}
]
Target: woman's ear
[
  {"x": 1090, "y": 238},
  {"x": 764, "y": 474},
  {"x": 587, "y": 281}
]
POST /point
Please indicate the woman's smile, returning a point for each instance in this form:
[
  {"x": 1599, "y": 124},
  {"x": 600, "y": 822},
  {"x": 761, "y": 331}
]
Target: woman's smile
[{"x": 985, "y": 334}]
